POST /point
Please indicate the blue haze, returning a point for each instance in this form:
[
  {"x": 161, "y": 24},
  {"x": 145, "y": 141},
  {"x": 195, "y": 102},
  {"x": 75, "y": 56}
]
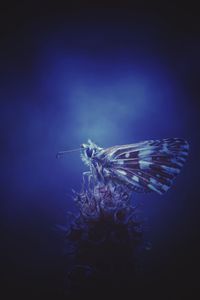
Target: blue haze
[{"x": 114, "y": 85}]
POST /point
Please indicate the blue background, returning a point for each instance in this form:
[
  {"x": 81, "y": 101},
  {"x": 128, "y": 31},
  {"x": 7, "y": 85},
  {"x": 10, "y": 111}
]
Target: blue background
[{"x": 116, "y": 76}]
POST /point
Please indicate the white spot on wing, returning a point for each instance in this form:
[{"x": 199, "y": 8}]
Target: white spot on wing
[
  {"x": 145, "y": 153},
  {"x": 152, "y": 180},
  {"x": 179, "y": 164},
  {"x": 121, "y": 172},
  {"x": 171, "y": 170},
  {"x": 182, "y": 159},
  {"x": 165, "y": 187},
  {"x": 154, "y": 189},
  {"x": 165, "y": 147},
  {"x": 155, "y": 183},
  {"x": 120, "y": 162},
  {"x": 144, "y": 164},
  {"x": 135, "y": 178}
]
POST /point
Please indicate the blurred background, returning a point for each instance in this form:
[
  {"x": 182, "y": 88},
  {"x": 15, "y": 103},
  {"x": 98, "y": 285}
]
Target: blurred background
[{"x": 115, "y": 74}]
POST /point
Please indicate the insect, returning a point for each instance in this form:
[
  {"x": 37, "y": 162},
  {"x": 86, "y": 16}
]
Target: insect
[{"x": 142, "y": 167}]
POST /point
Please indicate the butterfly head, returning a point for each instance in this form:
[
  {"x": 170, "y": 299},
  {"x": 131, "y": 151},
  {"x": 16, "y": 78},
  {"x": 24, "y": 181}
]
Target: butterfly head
[{"x": 88, "y": 152}]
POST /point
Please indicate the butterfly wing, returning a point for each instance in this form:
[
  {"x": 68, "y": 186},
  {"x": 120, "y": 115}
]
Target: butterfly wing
[{"x": 147, "y": 166}]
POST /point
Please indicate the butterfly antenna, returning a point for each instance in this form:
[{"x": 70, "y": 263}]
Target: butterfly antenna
[{"x": 61, "y": 153}]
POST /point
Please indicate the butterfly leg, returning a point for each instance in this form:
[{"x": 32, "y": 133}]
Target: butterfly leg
[
  {"x": 91, "y": 183},
  {"x": 86, "y": 176}
]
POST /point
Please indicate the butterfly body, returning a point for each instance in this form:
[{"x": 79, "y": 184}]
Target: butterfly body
[{"x": 143, "y": 167}]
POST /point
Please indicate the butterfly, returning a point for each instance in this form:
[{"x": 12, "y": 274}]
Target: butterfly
[{"x": 142, "y": 167}]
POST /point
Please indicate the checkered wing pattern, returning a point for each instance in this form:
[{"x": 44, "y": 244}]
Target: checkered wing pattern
[{"x": 147, "y": 166}]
